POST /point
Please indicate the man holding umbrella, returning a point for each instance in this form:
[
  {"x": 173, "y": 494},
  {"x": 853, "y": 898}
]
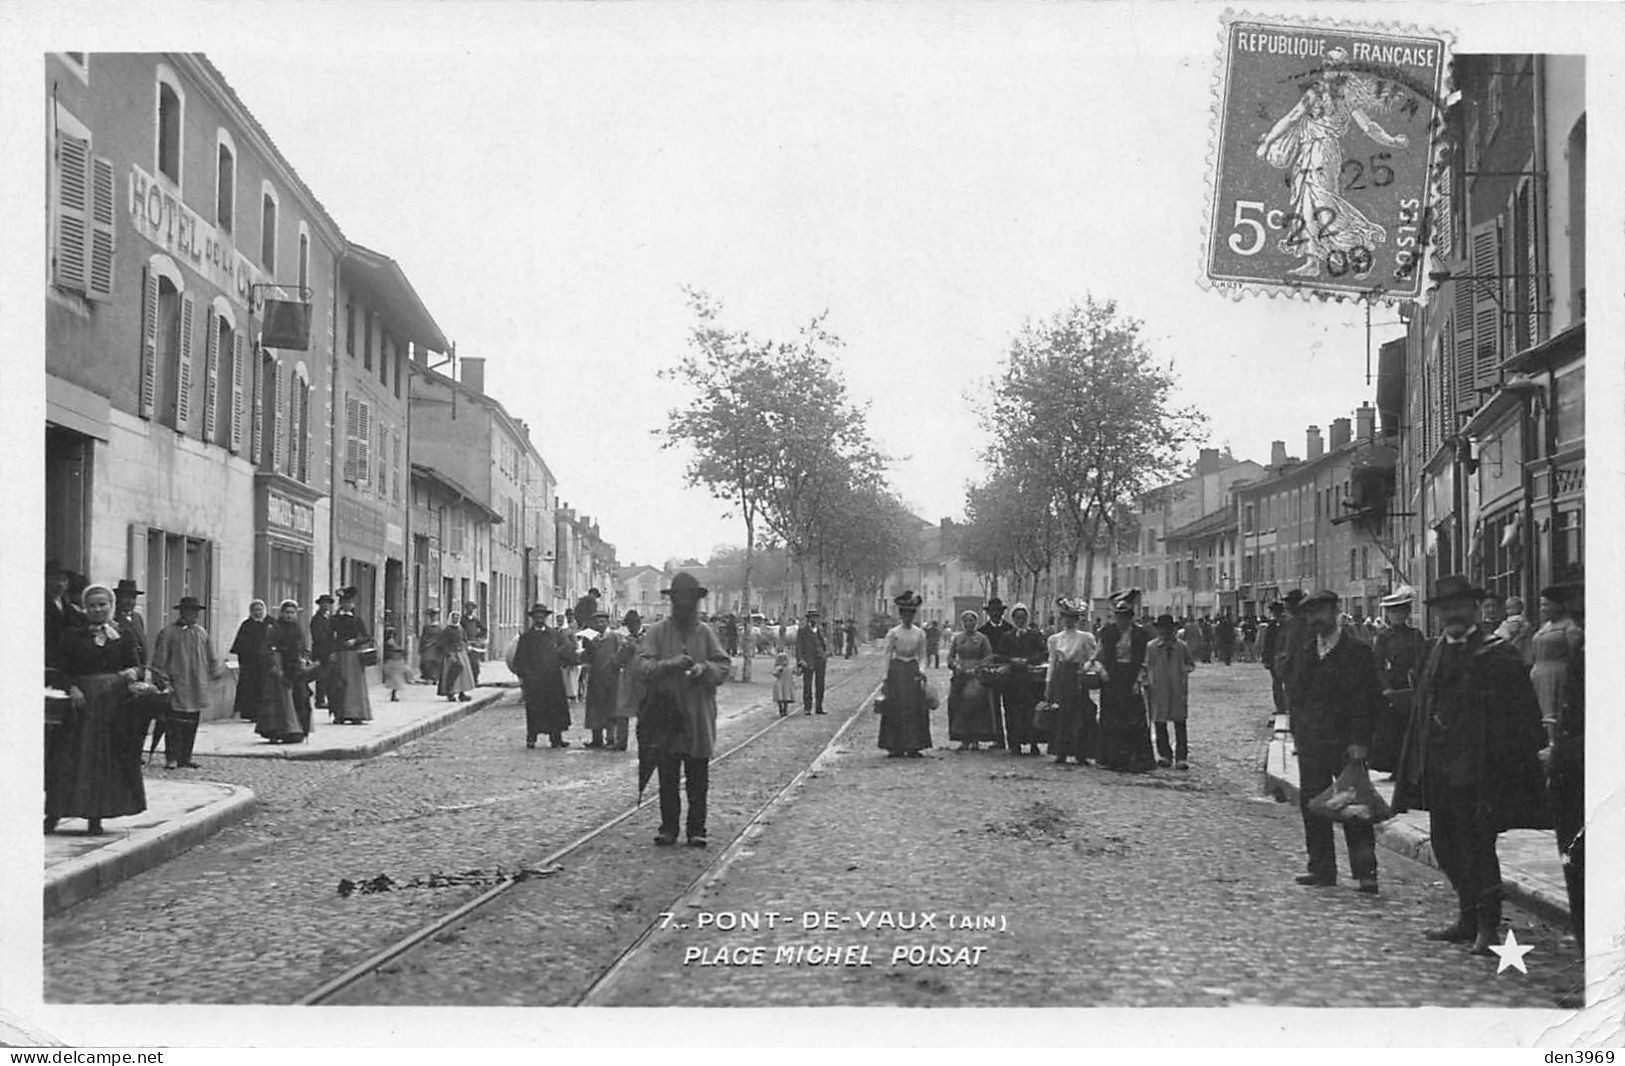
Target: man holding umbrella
[{"x": 682, "y": 662}]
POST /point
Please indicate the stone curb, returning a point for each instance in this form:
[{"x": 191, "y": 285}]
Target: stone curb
[
  {"x": 78, "y": 879},
  {"x": 1400, "y": 836},
  {"x": 453, "y": 712}
]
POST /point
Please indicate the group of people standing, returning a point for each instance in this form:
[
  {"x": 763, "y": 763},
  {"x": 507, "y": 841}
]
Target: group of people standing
[
  {"x": 1481, "y": 726},
  {"x": 1013, "y": 687},
  {"x": 287, "y": 670}
]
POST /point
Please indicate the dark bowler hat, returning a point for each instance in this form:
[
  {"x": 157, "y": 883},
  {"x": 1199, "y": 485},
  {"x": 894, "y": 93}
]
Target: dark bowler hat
[
  {"x": 539, "y": 609},
  {"x": 1453, "y": 587},
  {"x": 349, "y": 592},
  {"x": 189, "y": 602},
  {"x": 685, "y": 584},
  {"x": 995, "y": 604},
  {"x": 1165, "y": 621},
  {"x": 1294, "y": 597},
  {"x": 127, "y": 584},
  {"x": 325, "y": 598},
  {"x": 1321, "y": 598}
]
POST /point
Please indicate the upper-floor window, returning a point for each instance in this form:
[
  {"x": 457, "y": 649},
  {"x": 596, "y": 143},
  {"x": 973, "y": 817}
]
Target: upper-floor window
[
  {"x": 349, "y": 328},
  {"x": 83, "y": 190},
  {"x": 171, "y": 126},
  {"x": 385, "y": 343},
  {"x": 304, "y": 260},
  {"x": 366, "y": 338},
  {"x": 268, "y": 219},
  {"x": 225, "y": 181}
]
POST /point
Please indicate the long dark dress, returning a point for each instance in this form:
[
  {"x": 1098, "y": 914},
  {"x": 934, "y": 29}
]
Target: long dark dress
[
  {"x": 1076, "y": 735},
  {"x": 456, "y": 674},
  {"x": 970, "y": 703},
  {"x": 1024, "y": 649},
  {"x": 539, "y": 660},
  {"x": 1399, "y": 656},
  {"x": 603, "y": 680},
  {"x": 251, "y": 646},
  {"x": 347, "y": 696},
  {"x": 94, "y": 768},
  {"x": 905, "y": 721},
  {"x": 429, "y": 653},
  {"x": 279, "y": 715},
  {"x": 1125, "y": 735}
]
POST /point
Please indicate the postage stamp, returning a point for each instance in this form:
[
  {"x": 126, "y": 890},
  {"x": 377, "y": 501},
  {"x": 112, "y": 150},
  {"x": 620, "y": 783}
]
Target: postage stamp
[{"x": 1322, "y": 158}]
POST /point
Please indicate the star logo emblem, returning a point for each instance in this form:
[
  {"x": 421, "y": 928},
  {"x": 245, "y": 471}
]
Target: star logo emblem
[{"x": 1511, "y": 953}]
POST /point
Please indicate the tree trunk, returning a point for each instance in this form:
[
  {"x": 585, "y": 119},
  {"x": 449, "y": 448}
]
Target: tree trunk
[
  {"x": 801, "y": 571},
  {"x": 750, "y": 563}
]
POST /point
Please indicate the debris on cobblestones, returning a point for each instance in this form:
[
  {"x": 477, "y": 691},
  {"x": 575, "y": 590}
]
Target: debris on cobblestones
[{"x": 476, "y": 878}]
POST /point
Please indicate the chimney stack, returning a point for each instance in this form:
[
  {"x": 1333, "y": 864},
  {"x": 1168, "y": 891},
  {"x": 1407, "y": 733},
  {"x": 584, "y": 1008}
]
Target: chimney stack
[
  {"x": 1366, "y": 419},
  {"x": 1315, "y": 446},
  {"x": 1208, "y": 461},
  {"x": 420, "y": 355},
  {"x": 1277, "y": 453},
  {"x": 1340, "y": 433},
  {"x": 474, "y": 373}
]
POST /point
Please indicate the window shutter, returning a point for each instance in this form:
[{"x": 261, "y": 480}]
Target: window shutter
[
  {"x": 1531, "y": 307},
  {"x": 100, "y": 277},
  {"x": 1462, "y": 371},
  {"x": 1487, "y": 297},
  {"x": 72, "y": 211},
  {"x": 183, "y": 390},
  {"x": 279, "y": 422},
  {"x": 149, "y": 342},
  {"x": 352, "y": 418},
  {"x": 211, "y": 372},
  {"x": 256, "y": 441},
  {"x": 237, "y": 368},
  {"x": 363, "y": 438}
]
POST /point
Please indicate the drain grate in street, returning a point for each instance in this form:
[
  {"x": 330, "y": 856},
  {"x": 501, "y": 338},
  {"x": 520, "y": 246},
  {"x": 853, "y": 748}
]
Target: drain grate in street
[{"x": 477, "y": 878}]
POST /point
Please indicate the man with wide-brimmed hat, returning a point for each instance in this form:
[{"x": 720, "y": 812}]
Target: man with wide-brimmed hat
[
  {"x": 323, "y": 646},
  {"x": 1398, "y": 650},
  {"x": 540, "y": 657},
  {"x": 602, "y": 654},
  {"x": 629, "y": 687},
  {"x": 682, "y": 662},
  {"x": 1334, "y": 710},
  {"x": 183, "y": 654},
  {"x": 1125, "y": 732},
  {"x": 812, "y": 661},
  {"x": 474, "y": 634},
  {"x": 997, "y": 630},
  {"x": 1168, "y": 666},
  {"x": 126, "y": 617},
  {"x": 1471, "y": 757}
]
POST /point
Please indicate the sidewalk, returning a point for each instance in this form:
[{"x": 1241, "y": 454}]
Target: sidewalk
[
  {"x": 1531, "y": 871},
  {"x": 419, "y": 712},
  {"x": 178, "y": 815}
]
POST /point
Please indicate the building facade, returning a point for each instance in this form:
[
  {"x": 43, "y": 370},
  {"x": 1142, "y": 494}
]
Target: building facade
[
  {"x": 1492, "y": 372},
  {"x": 451, "y": 544},
  {"x": 180, "y": 450}
]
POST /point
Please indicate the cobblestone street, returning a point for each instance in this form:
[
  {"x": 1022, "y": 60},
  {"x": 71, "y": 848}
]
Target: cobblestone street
[
  {"x": 1167, "y": 889},
  {"x": 1160, "y": 890}
]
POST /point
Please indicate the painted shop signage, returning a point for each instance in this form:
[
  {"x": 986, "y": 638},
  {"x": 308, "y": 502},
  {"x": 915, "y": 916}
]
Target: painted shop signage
[
  {"x": 1323, "y": 158},
  {"x": 161, "y": 217},
  {"x": 289, "y": 514}
]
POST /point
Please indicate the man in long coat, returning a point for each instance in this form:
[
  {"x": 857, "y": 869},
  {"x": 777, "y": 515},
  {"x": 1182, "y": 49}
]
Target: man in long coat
[
  {"x": 1269, "y": 648},
  {"x": 1294, "y": 633},
  {"x": 474, "y": 634},
  {"x": 183, "y": 654},
  {"x": 127, "y": 617},
  {"x": 682, "y": 662},
  {"x": 1168, "y": 666},
  {"x": 1334, "y": 711},
  {"x": 997, "y": 631},
  {"x": 1471, "y": 757},
  {"x": 603, "y": 680},
  {"x": 322, "y": 645},
  {"x": 539, "y": 660},
  {"x": 812, "y": 660}
]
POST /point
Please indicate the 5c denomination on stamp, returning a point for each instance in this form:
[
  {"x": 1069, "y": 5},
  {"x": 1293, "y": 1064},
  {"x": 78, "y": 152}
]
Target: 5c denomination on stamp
[{"x": 1322, "y": 164}]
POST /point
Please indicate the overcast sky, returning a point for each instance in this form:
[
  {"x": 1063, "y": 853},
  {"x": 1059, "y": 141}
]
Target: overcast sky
[{"x": 931, "y": 180}]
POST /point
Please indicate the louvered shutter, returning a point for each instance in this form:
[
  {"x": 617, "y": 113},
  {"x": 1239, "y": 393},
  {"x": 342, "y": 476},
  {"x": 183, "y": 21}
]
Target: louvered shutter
[
  {"x": 72, "y": 211},
  {"x": 1532, "y": 292},
  {"x": 1463, "y": 360},
  {"x": 256, "y": 397},
  {"x": 1487, "y": 302},
  {"x": 363, "y": 438},
  {"x": 183, "y": 380},
  {"x": 279, "y": 429},
  {"x": 211, "y": 372},
  {"x": 352, "y": 449},
  {"x": 237, "y": 369},
  {"x": 149, "y": 343},
  {"x": 100, "y": 276}
]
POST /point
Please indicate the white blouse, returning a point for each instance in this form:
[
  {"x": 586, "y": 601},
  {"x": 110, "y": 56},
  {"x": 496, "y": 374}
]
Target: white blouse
[{"x": 903, "y": 644}]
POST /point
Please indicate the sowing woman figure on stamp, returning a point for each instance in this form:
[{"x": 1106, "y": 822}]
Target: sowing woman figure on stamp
[{"x": 1307, "y": 141}]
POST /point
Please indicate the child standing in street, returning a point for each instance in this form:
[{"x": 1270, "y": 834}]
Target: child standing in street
[
  {"x": 784, "y": 682},
  {"x": 394, "y": 664}
]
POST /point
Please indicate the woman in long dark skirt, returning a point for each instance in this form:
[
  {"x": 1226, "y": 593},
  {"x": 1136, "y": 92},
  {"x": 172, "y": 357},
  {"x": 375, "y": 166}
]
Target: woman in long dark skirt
[
  {"x": 905, "y": 720},
  {"x": 456, "y": 678},
  {"x": 1025, "y": 649},
  {"x": 970, "y": 705},
  {"x": 1071, "y": 651},
  {"x": 97, "y": 773},
  {"x": 347, "y": 696},
  {"x": 253, "y": 639},
  {"x": 1125, "y": 729}
]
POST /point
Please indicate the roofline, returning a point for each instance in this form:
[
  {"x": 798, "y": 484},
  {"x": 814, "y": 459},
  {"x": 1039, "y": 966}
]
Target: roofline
[
  {"x": 214, "y": 82},
  {"x": 450, "y": 485},
  {"x": 438, "y": 378},
  {"x": 377, "y": 261}
]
